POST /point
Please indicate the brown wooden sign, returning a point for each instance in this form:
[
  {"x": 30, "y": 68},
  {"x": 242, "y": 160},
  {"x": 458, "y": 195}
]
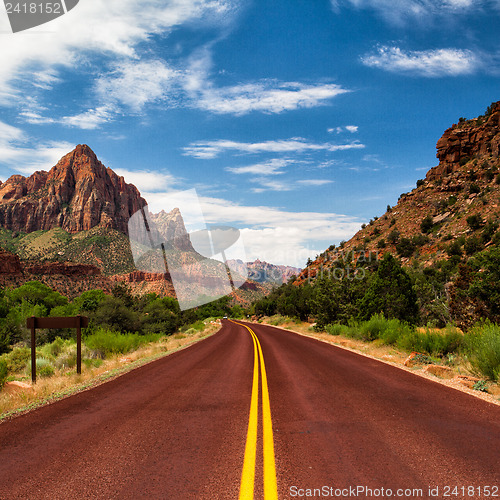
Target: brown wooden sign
[{"x": 77, "y": 322}]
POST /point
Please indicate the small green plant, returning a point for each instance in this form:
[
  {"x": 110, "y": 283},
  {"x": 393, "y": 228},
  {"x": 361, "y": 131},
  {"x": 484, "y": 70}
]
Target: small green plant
[
  {"x": 483, "y": 349},
  {"x": 44, "y": 367},
  {"x": 3, "y": 372},
  {"x": 480, "y": 385}
]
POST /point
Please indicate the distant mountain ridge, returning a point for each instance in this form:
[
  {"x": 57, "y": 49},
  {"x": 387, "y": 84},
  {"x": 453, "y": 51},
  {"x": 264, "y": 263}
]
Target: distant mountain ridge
[{"x": 264, "y": 272}]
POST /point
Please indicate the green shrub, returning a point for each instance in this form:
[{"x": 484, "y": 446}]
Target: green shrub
[
  {"x": 108, "y": 342},
  {"x": 427, "y": 224},
  {"x": 483, "y": 349},
  {"x": 387, "y": 330},
  {"x": 338, "y": 329},
  {"x": 435, "y": 343},
  {"x": 473, "y": 245},
  {"x": 16, "y": 360},
  {"x": 405, "y": 247},
  {"x": 44, "y": 367},
  {"x": 474, "y": 222},
  {"x": 374, "y": 327},
  {"x": 3, "y": 372}
]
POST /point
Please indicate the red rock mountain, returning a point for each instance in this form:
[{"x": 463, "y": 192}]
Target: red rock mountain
[
  {"x": 456, "y": 204},
  {"x": 77, "y": 194}
]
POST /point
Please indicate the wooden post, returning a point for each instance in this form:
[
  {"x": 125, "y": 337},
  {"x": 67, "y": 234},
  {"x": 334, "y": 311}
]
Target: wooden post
[
  {"x": 77, "y": 322},
  {"x": 33, "y": 350},
  {"x": 79, "y": 345}
]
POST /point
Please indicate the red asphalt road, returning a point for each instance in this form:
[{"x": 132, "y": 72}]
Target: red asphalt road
[{"x": 177, "y": 428}]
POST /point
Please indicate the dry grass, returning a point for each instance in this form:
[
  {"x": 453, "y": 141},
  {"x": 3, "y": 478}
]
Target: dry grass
[{"x": 14, "y": 401}]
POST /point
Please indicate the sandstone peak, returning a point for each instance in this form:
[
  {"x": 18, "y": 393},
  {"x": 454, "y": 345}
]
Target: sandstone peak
[{"x": 77, "y": 194}]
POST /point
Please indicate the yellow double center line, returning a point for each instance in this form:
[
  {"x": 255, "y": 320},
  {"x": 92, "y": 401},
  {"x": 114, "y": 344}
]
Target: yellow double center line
[{"x": 248, "y": 473}]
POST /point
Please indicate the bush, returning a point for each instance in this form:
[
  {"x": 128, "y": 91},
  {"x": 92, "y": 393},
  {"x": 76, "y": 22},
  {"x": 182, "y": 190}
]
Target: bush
[
  {"x": 474, "y": 188},
  {"x": 393, "y": 237},
  {"x": 109, "y": 342},
  {"x": 3, "y": 372},
  {"x": 44, "y": 367},
  {"x": 16, "y": 360},
  {"x": 473, "y": 245},
  {"x": 483, "y": 349},
  {"x": 427, "y": 224},
  {"x": 405, "y": 247},
  {"x": 338, "y": 329},
  {"x": 431, "y": 342},
  {"x": 474, "y": 222},
  {"x": 454, "y": 249}
]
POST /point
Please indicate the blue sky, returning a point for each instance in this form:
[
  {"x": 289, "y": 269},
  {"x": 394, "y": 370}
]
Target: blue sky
[{"x": 295, "y": 120}]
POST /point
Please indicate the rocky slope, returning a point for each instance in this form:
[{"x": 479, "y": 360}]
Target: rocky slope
[
  {"x": 77, "y": 194},
  {"x": 455, "y": 209},
  {"x": 67, "y": 278}
]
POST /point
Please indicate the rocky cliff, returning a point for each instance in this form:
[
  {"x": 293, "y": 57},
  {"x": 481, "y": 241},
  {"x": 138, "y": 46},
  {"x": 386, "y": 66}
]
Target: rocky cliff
[
  {"x": 453, "y": 211},
  {"x": 77, "y": 194}
]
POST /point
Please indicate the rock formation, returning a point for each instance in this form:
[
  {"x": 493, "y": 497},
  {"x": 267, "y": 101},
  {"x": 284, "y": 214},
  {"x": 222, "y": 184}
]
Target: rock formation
[{"x": 77, "y": 194}]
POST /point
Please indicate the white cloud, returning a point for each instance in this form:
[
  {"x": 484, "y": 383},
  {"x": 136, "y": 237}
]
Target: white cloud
[
  {"x": 137, "y": 83},
  {"x": 347, "y": 128},
  {"x": 212, "y": 149},
  {"x": 91, "y": 119},
  {"x": 271, "y": 234},
  {"x": 271, "y": 167},
  {"x": 267, "y": 184},
  {"x": 404, "y": 11},
  {"x": 19, "y": 155},
  {"x": 428, "y": 63},
  {"x": 148, "y": 181},
  {"x": 268, "y": 96},
  {"x": 315, "y": 182},
  {"x": 279, "y": 236},
  {"x": 100, "y": 28}
]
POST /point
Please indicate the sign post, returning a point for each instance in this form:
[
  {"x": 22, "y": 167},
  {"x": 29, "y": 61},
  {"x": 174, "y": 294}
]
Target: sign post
[{"x": 77, "y": 322}]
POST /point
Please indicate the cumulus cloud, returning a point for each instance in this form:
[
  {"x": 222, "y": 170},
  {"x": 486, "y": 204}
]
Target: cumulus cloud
[
  {"x": 273, "y": 234},
  {"x": 212, "y": 149},
  {"x": 427, "y": 63}
]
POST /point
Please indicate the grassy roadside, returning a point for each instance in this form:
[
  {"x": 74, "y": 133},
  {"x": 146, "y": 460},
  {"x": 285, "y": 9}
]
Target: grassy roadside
[
  {"x": 454, "y": 370},
  {"x": 19, "y": 396}
]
